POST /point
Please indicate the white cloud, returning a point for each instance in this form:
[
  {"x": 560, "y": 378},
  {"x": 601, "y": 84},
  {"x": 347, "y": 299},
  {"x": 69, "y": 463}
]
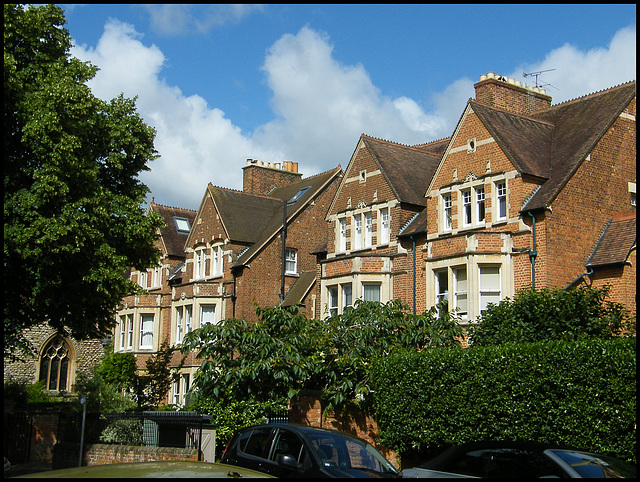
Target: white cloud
[
  {"x": 196, "y": 143},
  {"x": 320, "y": 106},
  {"x": 180, "y": 18},
  {"x": 578, "y": 73},
  {"x": 323, "y": 106}
]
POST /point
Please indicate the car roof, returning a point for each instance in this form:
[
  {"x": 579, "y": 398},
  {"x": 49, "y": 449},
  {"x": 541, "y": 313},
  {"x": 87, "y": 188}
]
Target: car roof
[
  {"x": 305, "y": 429},
  {"x": 454, "y": 451}
]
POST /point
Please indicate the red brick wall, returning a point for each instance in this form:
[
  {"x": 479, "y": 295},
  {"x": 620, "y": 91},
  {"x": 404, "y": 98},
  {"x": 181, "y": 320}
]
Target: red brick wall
[
  {"x": 597, "y": 190},
  {"x": 102, "y": 454},
  {"x": 307, "y": 409},
  {"x": 507, "y": 96}
]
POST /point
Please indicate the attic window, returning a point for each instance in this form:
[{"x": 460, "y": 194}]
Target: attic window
[
  {"x": 471, "y": 145},
  {"x": 182, "y": 224},
  {"x": 363, "y": 175},
  {"x": 298, "y": 195}
]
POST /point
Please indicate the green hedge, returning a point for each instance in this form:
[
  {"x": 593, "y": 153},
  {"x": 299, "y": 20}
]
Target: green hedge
[{"x": 581, "y": 394}]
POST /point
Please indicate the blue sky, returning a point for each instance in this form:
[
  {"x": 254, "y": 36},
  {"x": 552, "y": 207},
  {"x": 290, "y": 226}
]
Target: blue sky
[{"x": 221, "y": 83}]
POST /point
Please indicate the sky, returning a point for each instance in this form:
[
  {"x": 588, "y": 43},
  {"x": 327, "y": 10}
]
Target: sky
[{"x": 225, "y": 83}]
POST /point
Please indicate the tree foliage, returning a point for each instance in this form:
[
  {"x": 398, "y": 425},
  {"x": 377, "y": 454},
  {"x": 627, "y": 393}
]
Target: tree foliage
[
  {"x": 285, "y": 352},
  {"x": 552, "y": 314},
  {"x": 73, "y": 206}
]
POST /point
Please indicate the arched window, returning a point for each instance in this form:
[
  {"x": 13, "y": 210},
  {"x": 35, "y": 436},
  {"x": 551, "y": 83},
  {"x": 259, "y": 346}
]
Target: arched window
[{"x": 54, "y": 364}]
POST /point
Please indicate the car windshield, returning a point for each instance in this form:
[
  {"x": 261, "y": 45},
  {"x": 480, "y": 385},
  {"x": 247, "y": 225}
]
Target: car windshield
[
  {"x": 346, "y": 453},
  {"x": 591, "y": 465}
]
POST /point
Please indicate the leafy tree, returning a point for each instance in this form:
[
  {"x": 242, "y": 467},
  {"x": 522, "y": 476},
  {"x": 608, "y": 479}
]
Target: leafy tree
[
  {"x": 73, "y": 206},
  {"x": 153, "y": 387},
  {"x": 552, "y": 314},
  {"x": 118, "y": 369},
  {"x": 284, "y": 352}
]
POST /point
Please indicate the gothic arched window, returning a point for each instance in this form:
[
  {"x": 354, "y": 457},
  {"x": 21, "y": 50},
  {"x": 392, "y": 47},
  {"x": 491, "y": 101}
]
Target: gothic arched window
[{"x": 54, "y": 364}]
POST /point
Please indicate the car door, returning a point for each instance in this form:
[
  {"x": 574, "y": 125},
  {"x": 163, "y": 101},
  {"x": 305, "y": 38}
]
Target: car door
[
  {"x": 287, "y": 442},
  {"x": 252, "y": 449}
]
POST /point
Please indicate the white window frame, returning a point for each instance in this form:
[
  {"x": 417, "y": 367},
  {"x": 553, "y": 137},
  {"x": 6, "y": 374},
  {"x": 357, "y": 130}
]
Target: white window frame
[
  {"x": 342, "y": 235},
  {"x": 123, "y": 330},
  {"x": 460, "y": 291},
  {"x": 368, "y": 230},
  {"x": 347, "y": 295},
  {"x": 184, "y": 319},
  {"x": 357, "y": 231},
  {"x": 481, "y": 211},
  {"x": 447, "y": 217},
  {"x": 384, "y": 226},
  {"x": 202, "y": 314},
  {"x": 217, "y": 261},
  {"x": 291, "y": 261},
  {"x": 467, "y": 211},
  {"x": 147, "y": 321},
  {"x": 368, "y": 287},
  {"x": 332, "y": 300},
  {"x": 142, "y": 279},
  {"x": 200, "y": 263},
  {"x": 501, "y": 200},
  {"x": 442, "y": 292},
  {"x": 484, "y": 291},
  {"x": 129, "y": 331}
]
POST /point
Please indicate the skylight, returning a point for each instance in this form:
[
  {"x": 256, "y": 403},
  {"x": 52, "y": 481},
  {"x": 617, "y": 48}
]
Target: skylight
[
  {"x": 182, "y": 224},
  {"x": 298, "y": 195}
]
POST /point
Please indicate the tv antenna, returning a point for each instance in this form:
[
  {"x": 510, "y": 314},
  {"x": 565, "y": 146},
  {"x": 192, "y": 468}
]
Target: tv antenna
[{"x": 537, "y": 75}]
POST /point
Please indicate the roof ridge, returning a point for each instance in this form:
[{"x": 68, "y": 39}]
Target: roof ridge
[
  {"x": 171, "y": 207},
  {"x": 592, "y": 94},
  {"x": 524, "y": 116},
  {"x": 424, "y": 144},
  {"x": 394, "y": 143},
  {"x": 320, "y": 173}
]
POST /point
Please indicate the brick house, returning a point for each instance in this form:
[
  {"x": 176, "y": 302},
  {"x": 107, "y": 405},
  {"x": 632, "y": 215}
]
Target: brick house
[
  {"x": 143, "y": 321},
  {"x": 530, "y": 193},
  {"x": 382, "y": 190},
  {"x": 227, "y": 258}
]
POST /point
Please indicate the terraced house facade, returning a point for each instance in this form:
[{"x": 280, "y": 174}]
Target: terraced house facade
[{"x": 523, "y": 192}]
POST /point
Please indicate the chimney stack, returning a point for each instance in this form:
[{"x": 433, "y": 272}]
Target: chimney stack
[
  {"x": 509, "y": 94},
  {"x": 262, "y": 177}
]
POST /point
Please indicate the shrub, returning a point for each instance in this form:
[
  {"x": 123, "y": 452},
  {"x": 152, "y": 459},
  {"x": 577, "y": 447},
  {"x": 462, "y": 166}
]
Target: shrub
[
  {"x": 579, "y": 393},
  {"x": 551, "y": 314}
]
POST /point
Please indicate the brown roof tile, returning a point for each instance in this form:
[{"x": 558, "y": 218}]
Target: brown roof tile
[
  {"x": 408, "y": 170},
  {"x": 173, "y": 239},
  {"x": 616, "y": 241}
]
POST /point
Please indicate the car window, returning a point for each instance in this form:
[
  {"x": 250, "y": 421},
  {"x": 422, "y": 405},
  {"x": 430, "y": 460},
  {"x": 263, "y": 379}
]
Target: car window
[
  {"x": 472, "y": 463},
  {"x": 287, "y": 443},
  {"x": 591, "y": 465},
  {"x": 518, "y": 463},
  {"x": 254, "y": 442},
  {"x": 345, "y": 453}
]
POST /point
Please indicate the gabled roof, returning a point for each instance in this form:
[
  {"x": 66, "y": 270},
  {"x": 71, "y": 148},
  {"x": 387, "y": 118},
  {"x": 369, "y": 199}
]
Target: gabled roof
[
  {"x": 525, "y": 141},
  {"x": 300, "y": 288},
  {"x": 577, "y": 126},
  {"x": 615, "y": 243},
  {"x": 271, "y": 224},
  {"x": 407, "y": 169},
  {"x": 243, "y": 215},
  {"x": 171, "y": 237}
]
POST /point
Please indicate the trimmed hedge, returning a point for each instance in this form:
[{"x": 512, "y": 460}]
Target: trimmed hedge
[{"x": 580, "y": 393}]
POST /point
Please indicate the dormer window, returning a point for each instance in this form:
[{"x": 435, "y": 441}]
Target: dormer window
[{"x": 182, "y": 225}]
